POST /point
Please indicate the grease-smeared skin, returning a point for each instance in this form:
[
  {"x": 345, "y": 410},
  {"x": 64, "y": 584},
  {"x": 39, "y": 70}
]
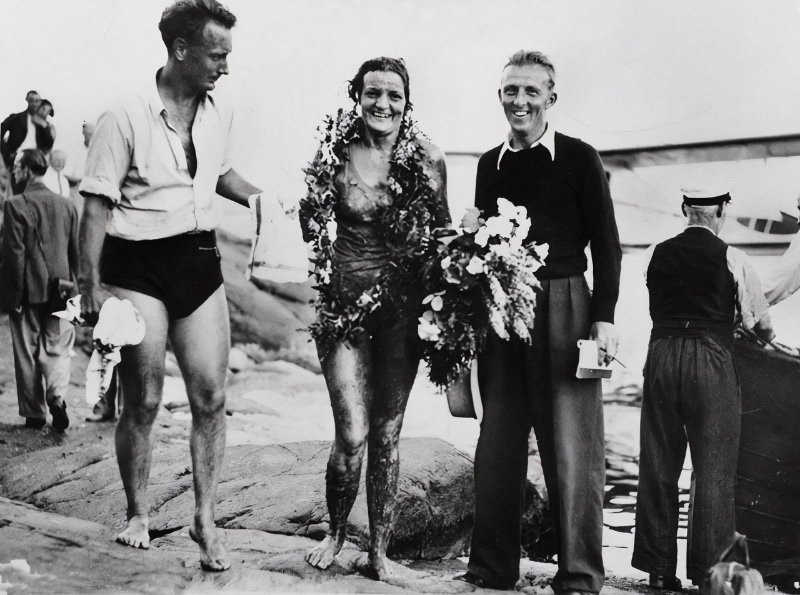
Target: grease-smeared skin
[{"x": 369, "y": 380}]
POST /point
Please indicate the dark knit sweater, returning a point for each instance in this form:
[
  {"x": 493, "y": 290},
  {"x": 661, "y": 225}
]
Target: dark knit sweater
[{"x": 570, "y": 206}]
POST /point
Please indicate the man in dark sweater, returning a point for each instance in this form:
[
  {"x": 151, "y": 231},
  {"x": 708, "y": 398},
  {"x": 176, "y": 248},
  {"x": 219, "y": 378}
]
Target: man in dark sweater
[
  {"x": 562, "y": 183},
  {"x": 699, "y": 287}
]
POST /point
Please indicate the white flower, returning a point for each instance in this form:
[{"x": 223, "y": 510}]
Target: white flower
[
  {"x": 475, "y": 266},
  {"x": 437, "y": 303},
  {"x": 523, "y": 227},
  {"x": 364, "y": 299},
  {"x": 427, "y": 330},
  {"x": 324, "y": 276},
  {"x": 515, "y": 243},
  {"x": 446, "y": 262},
  {"x": 498, "y": 324},
  {"x": 429, "y": 298},
  {"x": 506, "y": 208},
  {"x": 542, "y": 251},
  {"x": 470, "y": 222},
  {"x": 330, "y": 227},
  {"x": 500, "y": 226},
  {"x": 501, "y": 250},
  {"x": 482, "y": 236}
]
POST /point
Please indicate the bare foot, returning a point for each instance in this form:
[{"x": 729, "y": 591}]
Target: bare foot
[
  {"x": 213, "y": 555},
  {"x": 383, "y": 569},
  {"x": 322, "y": 555},
  {"x": 137, "y": 534}
]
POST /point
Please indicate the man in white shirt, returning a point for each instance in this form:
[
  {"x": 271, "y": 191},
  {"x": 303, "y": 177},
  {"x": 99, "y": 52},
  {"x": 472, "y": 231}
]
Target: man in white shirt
[{"x": 147, "y": 235}]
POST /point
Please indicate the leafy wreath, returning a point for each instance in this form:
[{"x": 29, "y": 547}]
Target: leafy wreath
[{"x": 406, "y": 225}]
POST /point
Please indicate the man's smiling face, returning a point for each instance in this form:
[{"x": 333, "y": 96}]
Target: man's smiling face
[{"x": 525, "y": 94}]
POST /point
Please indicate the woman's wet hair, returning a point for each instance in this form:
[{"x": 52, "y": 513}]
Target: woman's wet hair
[{"x": 382, "y": 64}]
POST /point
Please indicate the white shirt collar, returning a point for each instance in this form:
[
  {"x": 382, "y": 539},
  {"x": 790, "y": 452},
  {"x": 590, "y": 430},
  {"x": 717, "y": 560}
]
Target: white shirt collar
[
  {"x": 701, "y": 227},
  {"x": 547, "y": 140}
]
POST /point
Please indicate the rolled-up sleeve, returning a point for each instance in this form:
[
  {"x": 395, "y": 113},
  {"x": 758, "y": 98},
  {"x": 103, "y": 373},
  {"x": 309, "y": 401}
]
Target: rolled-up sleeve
[
  {"x": 227, "y": 129},
  {"x": 784, "y": 279},
  {"x": 109, "y": 157},
  {"x": 750, "y": 298}
]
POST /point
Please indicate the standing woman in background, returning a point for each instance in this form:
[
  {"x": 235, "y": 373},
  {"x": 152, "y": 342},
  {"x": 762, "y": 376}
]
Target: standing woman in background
[
  {"x": 376, "y": 192},
  {"x": 45, "y": 131}
]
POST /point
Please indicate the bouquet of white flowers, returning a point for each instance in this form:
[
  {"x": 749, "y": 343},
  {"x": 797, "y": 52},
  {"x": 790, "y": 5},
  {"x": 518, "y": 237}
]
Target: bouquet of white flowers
[{"x": 483, "y": 277}]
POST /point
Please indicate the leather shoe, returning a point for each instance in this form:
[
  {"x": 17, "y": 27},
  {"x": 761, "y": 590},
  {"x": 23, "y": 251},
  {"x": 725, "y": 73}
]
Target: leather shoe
[
  {"x": 667, "y": 583},
  {"x": 477, "y": 581},
  {"x": 35, "y": 423},
  {"x": 59, "y": 412}
]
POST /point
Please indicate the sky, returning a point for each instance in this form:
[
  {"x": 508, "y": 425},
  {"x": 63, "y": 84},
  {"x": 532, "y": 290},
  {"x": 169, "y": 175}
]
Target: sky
[{"x": 629, "y": 73}]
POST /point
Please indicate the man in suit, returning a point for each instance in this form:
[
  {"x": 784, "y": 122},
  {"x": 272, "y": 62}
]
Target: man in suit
[
  {"x": 40, "y": 243},
  {"x": 561, "y": 182},
  {"x": 18, "y": 131}
]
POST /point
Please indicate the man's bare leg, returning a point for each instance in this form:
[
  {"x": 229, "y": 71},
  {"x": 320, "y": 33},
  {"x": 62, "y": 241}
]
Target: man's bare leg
[
  {"x": 346, "y": 370},
  {"x": 142, "y": 375},
  {"x": 202, "y": 343}
]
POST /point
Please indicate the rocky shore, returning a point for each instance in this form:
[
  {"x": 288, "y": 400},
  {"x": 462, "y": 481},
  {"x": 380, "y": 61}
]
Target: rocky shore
[{"x": 62, "y": 504}]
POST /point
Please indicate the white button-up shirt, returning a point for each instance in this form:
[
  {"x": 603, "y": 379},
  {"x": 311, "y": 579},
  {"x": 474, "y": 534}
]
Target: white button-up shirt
[{"x": 136, "y": 159}]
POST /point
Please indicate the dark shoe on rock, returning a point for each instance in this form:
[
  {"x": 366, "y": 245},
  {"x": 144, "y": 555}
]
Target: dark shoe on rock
[
  {"x": 35, "y": 423},
  {"x": 667, "y": 583},
  {"x": 103, "y": 411},
  {"x": 477, "y": 581},
  {"x": 59, "y": 412}
]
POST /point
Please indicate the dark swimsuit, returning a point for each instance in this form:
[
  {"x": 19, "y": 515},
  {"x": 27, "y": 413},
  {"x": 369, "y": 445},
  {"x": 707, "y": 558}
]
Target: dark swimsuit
[{"x": 181, "y": 271}]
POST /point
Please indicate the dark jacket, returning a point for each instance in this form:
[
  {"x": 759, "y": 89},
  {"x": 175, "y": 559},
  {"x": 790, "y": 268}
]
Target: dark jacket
[
  {"x": 16, "y": 126},
  {"x": 24, "y": 274}
]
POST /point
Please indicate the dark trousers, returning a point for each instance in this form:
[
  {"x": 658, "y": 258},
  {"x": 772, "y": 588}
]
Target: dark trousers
[
  {"x": 691, "y": 393},
  {"x": 534, "y": 385}
]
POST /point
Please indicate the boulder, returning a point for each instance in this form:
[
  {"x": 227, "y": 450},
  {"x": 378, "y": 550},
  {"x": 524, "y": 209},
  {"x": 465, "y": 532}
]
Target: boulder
[{"x": 275, "y": 488}]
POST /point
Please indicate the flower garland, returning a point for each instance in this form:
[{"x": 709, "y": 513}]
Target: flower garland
[{"x": 406, "y": 224}]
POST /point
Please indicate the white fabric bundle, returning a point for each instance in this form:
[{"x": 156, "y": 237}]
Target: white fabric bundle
[
  {"x": 277, "y": 252},
  {"x": 119, "y": 324}
]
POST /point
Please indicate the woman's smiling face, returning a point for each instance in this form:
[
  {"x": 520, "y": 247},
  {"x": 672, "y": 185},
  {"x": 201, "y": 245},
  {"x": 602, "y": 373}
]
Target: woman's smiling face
[{"x": 383, "y": 101}]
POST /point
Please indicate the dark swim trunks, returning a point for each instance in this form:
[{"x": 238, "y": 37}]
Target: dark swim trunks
[{"x": 181, "y": 271}]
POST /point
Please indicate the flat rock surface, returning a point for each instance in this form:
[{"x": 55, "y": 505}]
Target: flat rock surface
[
  {"x": 42, "y": 552},
  {"x": 276, "y": 488}
]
